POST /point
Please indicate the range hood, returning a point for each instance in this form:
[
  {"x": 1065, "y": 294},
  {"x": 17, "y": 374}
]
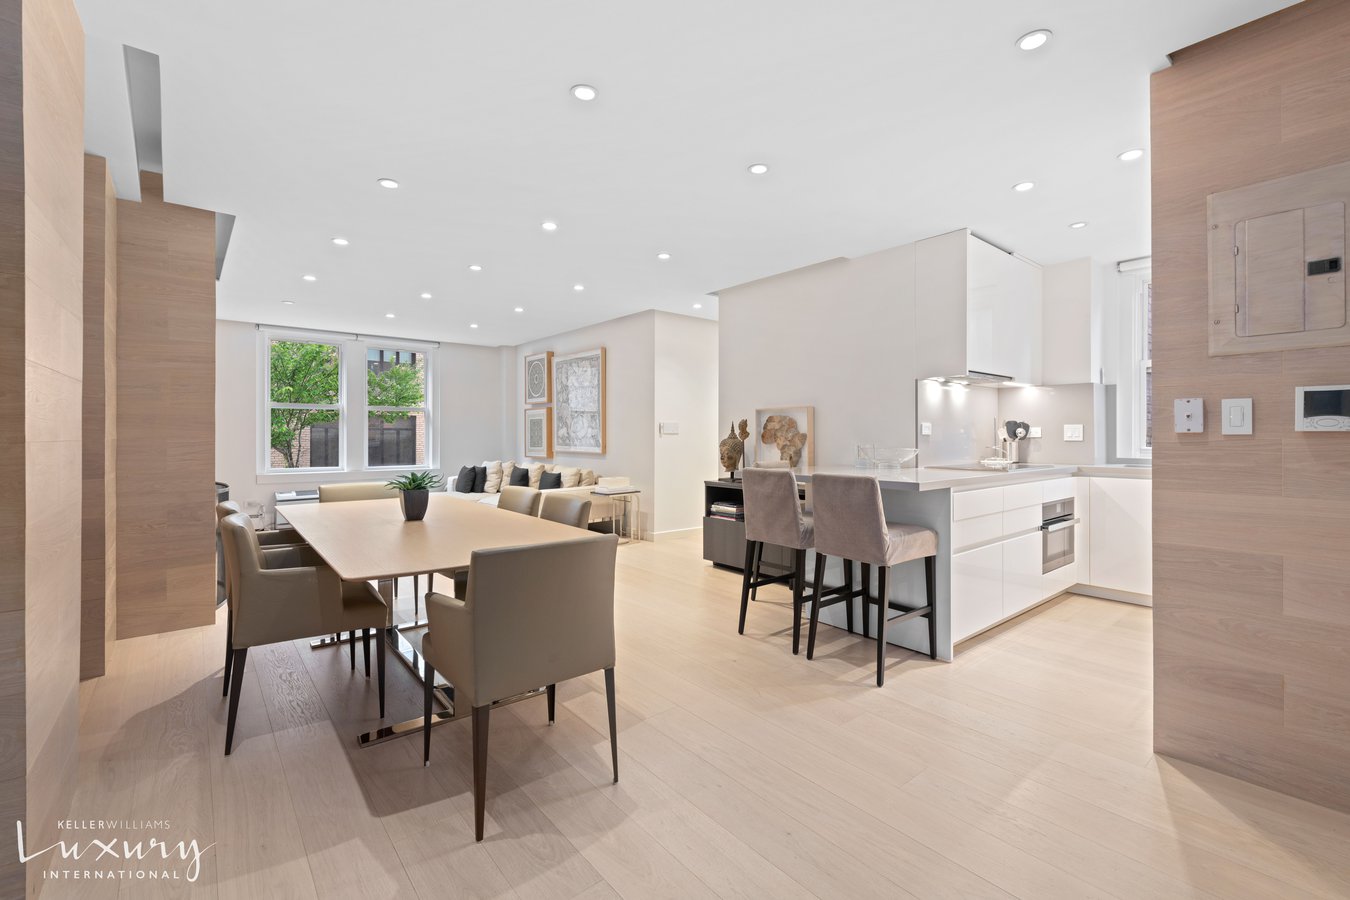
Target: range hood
[{"x": 972, "y": 376}]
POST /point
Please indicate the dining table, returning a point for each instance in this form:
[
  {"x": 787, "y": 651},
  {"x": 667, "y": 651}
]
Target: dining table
[{"x": 369, "y": 540}]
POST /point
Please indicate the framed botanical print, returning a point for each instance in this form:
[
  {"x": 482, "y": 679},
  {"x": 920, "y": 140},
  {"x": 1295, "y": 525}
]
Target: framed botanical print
[
  {"x": 539, "y": 378},
  {"x": 579, "y": 402},
  {"x": 539, "y": 433}
]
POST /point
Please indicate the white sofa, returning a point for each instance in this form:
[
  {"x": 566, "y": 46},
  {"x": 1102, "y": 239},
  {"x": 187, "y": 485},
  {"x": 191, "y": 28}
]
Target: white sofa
[{"x": 602, "y": 508}]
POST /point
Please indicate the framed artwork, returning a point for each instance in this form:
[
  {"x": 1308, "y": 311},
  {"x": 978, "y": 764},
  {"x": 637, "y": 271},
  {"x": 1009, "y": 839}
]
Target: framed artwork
[
  {"x": 539, "y": 378},
  {"x": 539, "y": 433},
  {"x": 786, "y": 433},
  {"x": 579, "y": 402}
]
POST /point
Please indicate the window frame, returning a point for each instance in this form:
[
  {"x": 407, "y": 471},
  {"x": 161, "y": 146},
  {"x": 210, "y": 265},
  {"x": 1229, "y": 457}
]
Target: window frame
[
  {"x": 1139, "y": 284},
  {"x": 424, "y": 409},
  {"x": 267, "y": 338}
]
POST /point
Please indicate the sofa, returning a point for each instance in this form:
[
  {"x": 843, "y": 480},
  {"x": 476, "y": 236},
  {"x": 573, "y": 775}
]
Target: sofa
[{"x": 586, "y": 481}]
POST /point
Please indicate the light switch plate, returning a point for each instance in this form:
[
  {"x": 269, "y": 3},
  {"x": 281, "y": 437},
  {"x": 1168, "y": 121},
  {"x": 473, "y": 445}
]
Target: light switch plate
[
  {"x": 1237, "y": 416},
  {"x": 670, "y": 427},
  {"x": 1073, "y": 432},
  {"x": 1189, "y": 415},
  {"x": 1035, "y": 431},
  {"x": 925, "y": 428}
]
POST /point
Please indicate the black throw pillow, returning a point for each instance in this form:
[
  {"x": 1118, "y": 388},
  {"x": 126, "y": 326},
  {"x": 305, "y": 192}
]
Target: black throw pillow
[
  {"x": 479, "y": 479},
  {"x": 464, "y": 480},
  {"x": 550, "y": 480},
  {"x": 520, "y": 477}
]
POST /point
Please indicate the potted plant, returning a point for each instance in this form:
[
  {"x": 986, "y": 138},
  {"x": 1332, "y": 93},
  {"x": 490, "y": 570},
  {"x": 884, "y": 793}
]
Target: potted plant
[{"x": 414, "y": 490}]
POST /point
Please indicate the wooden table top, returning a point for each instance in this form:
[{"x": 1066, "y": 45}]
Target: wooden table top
[{"x": 365, "y": 540}]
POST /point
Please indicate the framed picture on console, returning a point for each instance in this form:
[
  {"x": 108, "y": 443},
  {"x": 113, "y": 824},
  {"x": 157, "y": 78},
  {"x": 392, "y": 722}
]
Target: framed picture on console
[
  {"x": 786, "y": 434},
  {"x": 539, "y": 378},
  {"x": 579, "y": 402},
  {"x": 539, "y": 433}
]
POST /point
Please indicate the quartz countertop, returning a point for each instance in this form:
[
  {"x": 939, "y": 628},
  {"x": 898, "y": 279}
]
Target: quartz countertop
[
  {"x": 1117, "y": 470},
  {"x": 936, "y": 479}
]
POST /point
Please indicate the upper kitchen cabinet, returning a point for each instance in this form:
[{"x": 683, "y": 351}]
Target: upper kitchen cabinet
[
  {"x": 979, "y": 310},
  {"x": 1071, "y": 316}
]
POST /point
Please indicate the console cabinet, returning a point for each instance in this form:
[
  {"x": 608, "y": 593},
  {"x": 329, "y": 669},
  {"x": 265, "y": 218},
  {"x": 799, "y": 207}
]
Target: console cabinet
[{"x": 724, "y": 539}]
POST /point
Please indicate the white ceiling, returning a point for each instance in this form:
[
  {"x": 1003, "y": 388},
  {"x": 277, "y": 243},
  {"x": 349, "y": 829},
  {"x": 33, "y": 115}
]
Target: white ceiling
[{"x": 883, "y": 122}]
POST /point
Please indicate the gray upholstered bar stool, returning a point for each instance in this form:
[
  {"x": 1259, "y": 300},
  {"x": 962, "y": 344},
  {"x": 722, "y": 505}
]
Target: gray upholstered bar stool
[
  {"x": 773, "y": 515},
  {"x": 851, "y": 523}
]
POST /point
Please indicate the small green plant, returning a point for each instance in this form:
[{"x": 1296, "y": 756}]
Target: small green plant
[{"x": 416, "y": 481}]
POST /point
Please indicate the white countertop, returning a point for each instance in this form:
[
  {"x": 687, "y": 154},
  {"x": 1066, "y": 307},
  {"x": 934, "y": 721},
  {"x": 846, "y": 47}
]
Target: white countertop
[{"x": 937, "y": 479}]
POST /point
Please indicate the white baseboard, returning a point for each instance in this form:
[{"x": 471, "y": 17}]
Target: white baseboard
[
  {"x": 678, "y": 532},
  {"x": 1102, "y": 593}
]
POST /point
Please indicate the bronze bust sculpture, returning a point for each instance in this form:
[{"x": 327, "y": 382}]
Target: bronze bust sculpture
[{"x": 732, "y": 448}]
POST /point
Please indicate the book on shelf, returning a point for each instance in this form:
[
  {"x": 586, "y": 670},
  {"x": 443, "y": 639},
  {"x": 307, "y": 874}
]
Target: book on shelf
[{"x": 726, "y": 518}]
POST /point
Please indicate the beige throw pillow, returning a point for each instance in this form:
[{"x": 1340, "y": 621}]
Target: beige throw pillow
[
  {"x": 507, "y": 466},
  {"x": 571, "y": 477},
  {"x": 587, "y": 477},
  {"x": 536, "y": 472},
  {"x": 494, "y": 477}
]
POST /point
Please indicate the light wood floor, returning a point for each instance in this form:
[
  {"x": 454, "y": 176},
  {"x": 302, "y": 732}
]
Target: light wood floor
[{"x": 1022, "y": 769}]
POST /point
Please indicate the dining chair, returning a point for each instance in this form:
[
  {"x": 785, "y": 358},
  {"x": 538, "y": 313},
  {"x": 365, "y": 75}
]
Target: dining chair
[
  {"x": 569, "y": 509},
  {"x": 365, "y": 490},
  {"x": 520, "y": 500},
  {"x": 281, "y": 595},
  {"x": 532, "y": 616}
]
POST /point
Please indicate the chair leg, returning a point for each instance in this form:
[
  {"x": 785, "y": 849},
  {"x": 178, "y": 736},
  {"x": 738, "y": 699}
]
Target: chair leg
[
  {"x": 480, "y": 745},
  {"x": 552, "y": 691},
  {"x": 365, "y": 648},
  {"x": 613, "y": 722},
  {"x": 428, "y": 687},
  {"x": 866, "y": 599},
  {"x": 380, "y": 648},
  {"x": 352, "y": 635},
  {"x": 759, "y": 560},
  {"x": 883, "y": 607},
  {"x": 799, "y": 576},
  {"x": 237, "y": 679},
  {"x": 745, "y": 582},
  {"x": 930, "y": 576},
  {"x": 848, "y": 589},
  {"x": 815, "y": 605},
  {"x": 229, "y": 649}
]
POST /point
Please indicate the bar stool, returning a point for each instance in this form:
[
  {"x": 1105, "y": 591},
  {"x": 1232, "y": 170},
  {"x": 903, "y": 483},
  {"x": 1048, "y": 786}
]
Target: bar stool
[
  {"x": 774, "y": 516},
  {"x": 850, "y": 523}
]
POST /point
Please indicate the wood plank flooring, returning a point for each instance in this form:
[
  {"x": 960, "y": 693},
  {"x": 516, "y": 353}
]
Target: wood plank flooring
[{"x": 1023, "y": 769}]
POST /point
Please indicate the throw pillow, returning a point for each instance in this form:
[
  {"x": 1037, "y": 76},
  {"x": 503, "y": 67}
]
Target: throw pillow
[
  {"x": 520, "y": 477},
  {"x": 464, "y": 480},
  {"x": 508, "y": 466},
  {"x": 494, "y": 477},
  {"x": 587, "y": 477},
  {"x": 535, "y": 471},
  {"x": 550, "y": 480},
  {"x": 571, "y": 477},
  {"x": 479, "y": 479}
]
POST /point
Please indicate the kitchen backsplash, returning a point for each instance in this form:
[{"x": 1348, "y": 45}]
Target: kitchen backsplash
[{"x": 963, "y": 422}]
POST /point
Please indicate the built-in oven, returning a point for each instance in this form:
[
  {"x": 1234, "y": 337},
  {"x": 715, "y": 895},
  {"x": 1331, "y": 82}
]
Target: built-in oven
[{"x": 1057, "y": 521}]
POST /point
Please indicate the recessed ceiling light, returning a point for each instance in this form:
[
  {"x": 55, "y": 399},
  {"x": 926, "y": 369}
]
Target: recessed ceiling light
[
  {"x": 1024, "y": 186},
  {"x": 663, "y": 255},
  {"x": 475, "y": 268},
  {"x": 549, "y": 226},
  {"x": 1078, "y": 225},
  {"x": 1034, "y": 40},
  {"x": 698, "y": 306},
  {"x": 578, "y": 287},
  {"x": 386, "y": 183},
  {"x": 388, "y": 315},
  {"x": 341, "y": 241},
  {"x": 520, "y": 309},
  {"x": 309, "y": 277},
  {"x": 583, "y": 92},
  {"x": 758, "y": 169},
  {"x": 1130, "y": 155},
  {"x": 473, "y": 324},
  {"x": 287, "y": 302},
  {"x": 425, "y": 296}
]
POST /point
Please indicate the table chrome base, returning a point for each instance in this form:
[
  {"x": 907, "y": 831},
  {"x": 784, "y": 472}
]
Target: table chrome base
[{"x": 440, "y": 717}]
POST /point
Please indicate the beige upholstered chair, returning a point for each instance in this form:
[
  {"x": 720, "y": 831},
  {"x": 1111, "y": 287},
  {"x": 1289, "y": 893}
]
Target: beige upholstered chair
[
  {"x": 569, "y": 509},
  {"x": 356, "y": 490},
  {"x": 851, "y": 524},
  {"x": 288, "y": 537},
  {"x": 533, "y": 616},
  {"x": 773, "y": 515},
  {"x": 520, "y": 500},
  {"x": 281, "y": 594}
]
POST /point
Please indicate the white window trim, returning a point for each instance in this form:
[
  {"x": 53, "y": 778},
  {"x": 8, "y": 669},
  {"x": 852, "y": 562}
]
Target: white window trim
[
  {"x": 1132, "y": 417},
  {"x": 353, "y": 412}
]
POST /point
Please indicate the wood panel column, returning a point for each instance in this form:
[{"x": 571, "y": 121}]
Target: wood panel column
[{"x": 41, "y": 332}]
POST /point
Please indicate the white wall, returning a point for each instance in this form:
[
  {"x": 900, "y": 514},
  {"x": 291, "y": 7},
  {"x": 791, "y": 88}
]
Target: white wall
[
  {"x": 839, "y": 336},
  {"x": 467, "y": 415},
  {"x": 686, "y": 387}
]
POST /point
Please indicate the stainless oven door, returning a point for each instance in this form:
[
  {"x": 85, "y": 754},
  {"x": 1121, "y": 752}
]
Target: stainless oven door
[{"x": 1057, "y": 543}]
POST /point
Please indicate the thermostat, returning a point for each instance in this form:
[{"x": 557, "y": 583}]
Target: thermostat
[{"x": 1323, "y": 407}]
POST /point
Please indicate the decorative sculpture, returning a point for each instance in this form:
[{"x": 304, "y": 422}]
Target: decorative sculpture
[
  {"x": 782, "y": 432},
  {"x": 732, "y": 448}
]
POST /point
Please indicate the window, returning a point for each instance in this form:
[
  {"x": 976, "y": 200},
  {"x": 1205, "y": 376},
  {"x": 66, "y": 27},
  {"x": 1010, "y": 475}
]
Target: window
[
  {"x": 304, "y": 405},
  {"x": 1143, "y": 365},
  {"x": 396, "y": 407}
]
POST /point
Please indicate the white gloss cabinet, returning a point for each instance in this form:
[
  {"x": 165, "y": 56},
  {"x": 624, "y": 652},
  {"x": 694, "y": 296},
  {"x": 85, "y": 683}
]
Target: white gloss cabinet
[
  {"x": 977, "y": 590},
  {"x": 1023, "y": 584},
  {"x": 1003, "y": 313},
  {"x": 1120, "y": 537}
]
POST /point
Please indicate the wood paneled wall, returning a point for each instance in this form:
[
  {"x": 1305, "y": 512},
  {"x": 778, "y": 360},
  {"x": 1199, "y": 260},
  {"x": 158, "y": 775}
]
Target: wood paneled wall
[
  {"x": 1251, "y": 589},
  {"x": 166, "y": 371},
  {"x": 41, "y": 308},
  {"x": 98, "y": 596}
]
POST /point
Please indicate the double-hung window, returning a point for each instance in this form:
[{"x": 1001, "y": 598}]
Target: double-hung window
[
  {"x": 1143, "y": 364},
  {"x": 304, "y": 405},
  {"x": 396, "y": 407}
]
